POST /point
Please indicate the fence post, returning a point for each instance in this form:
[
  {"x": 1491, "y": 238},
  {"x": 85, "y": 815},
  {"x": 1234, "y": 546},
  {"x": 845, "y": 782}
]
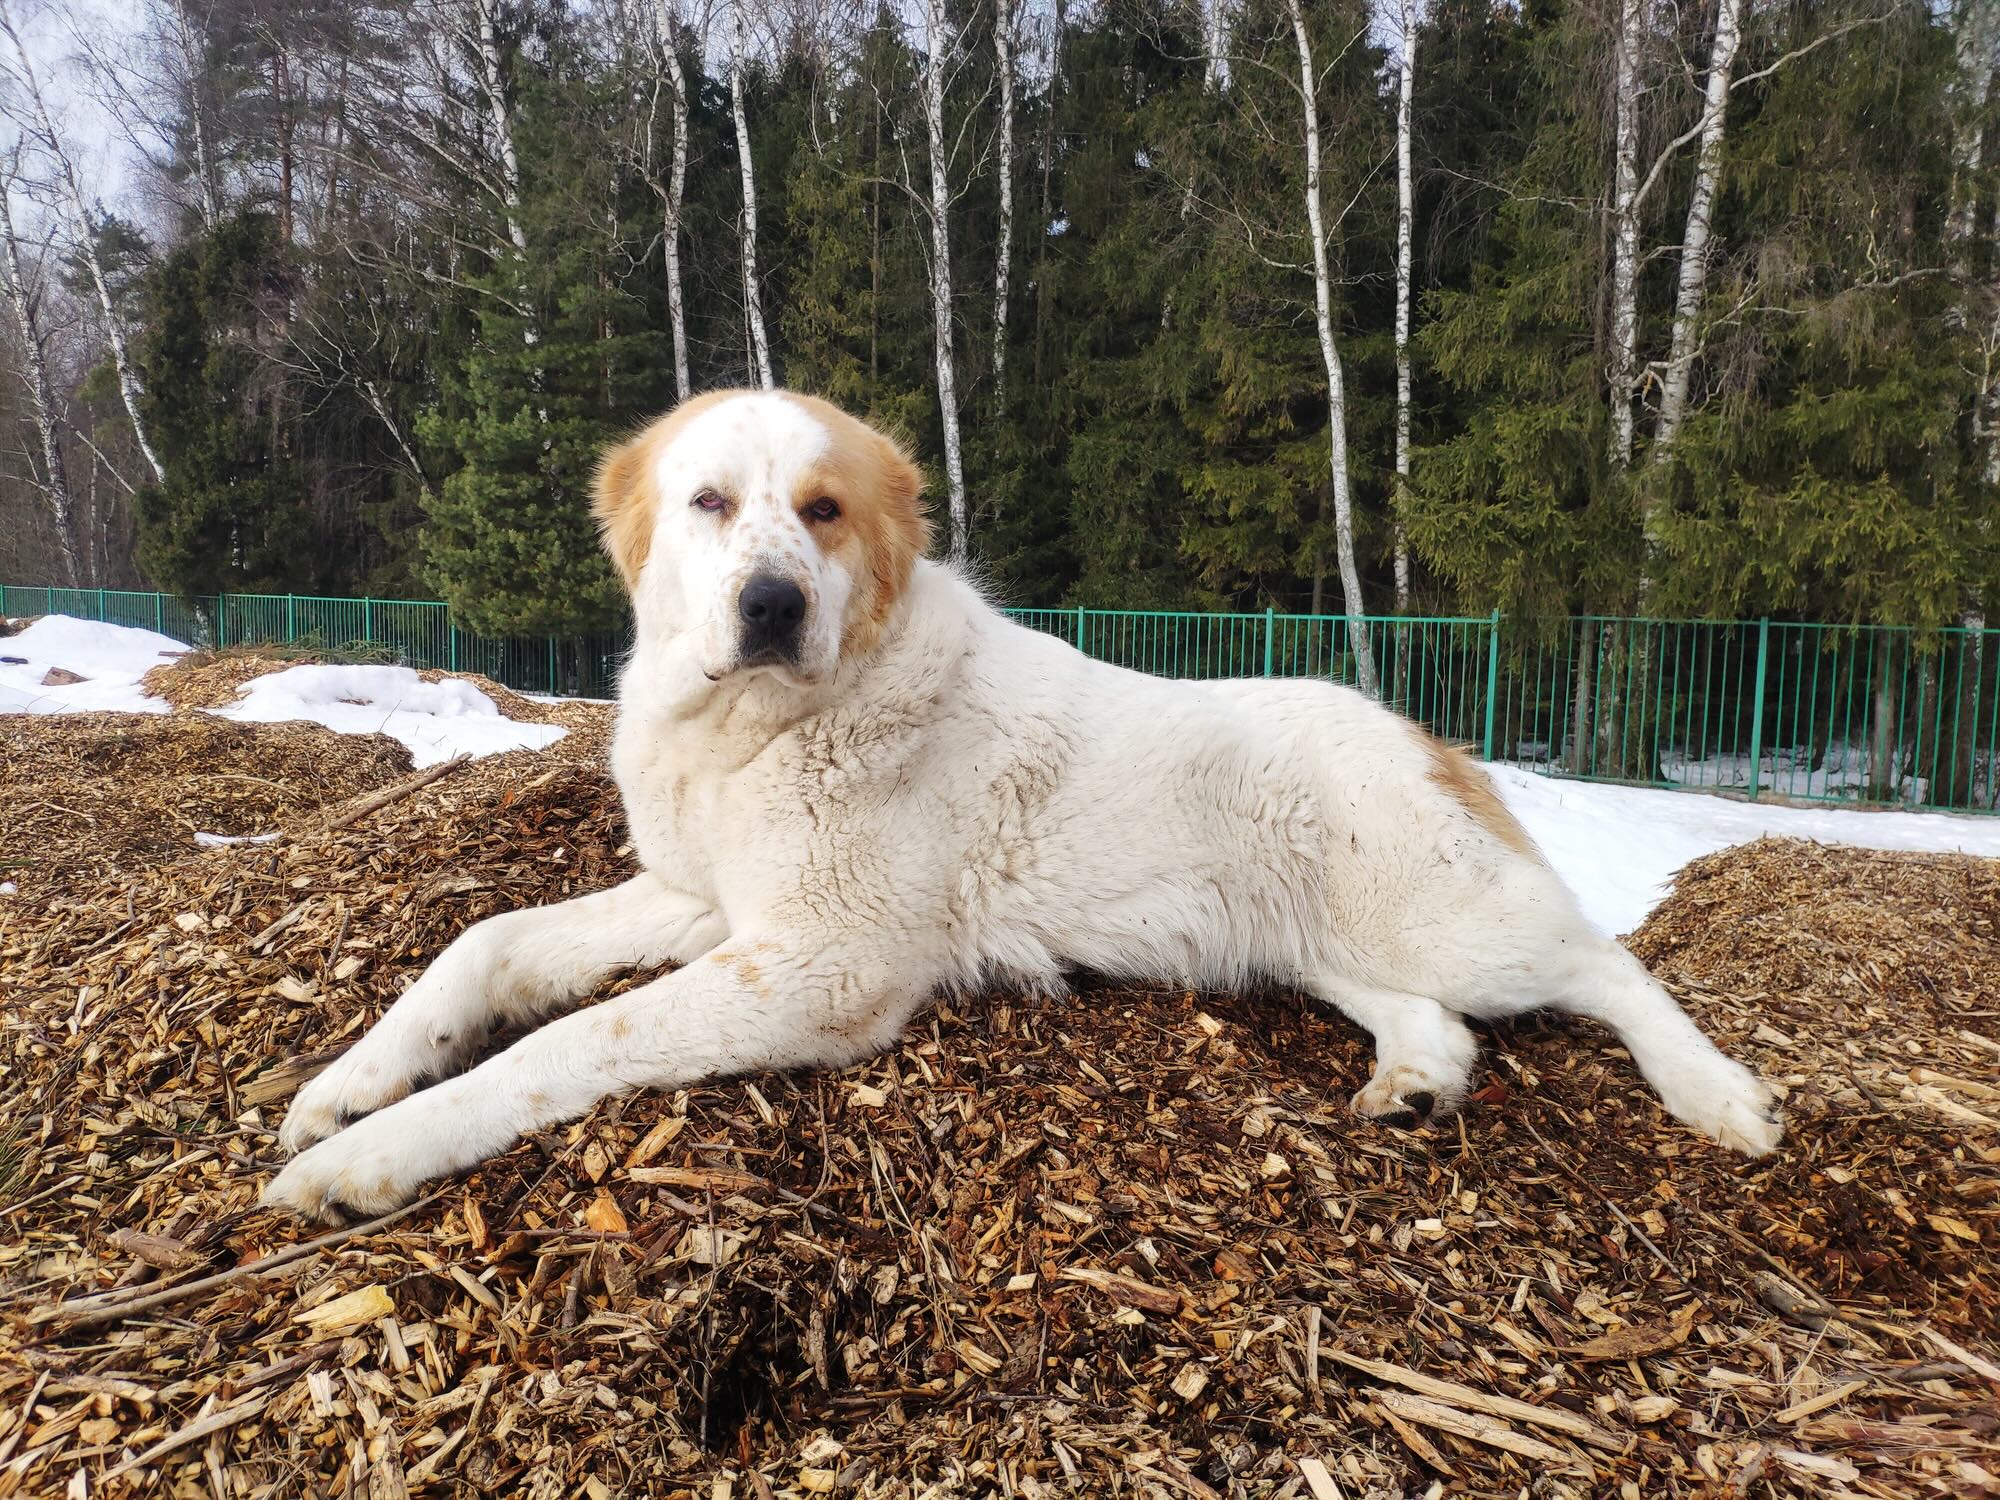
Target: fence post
[
  {"x": 1757, "y": 705},
  {"x": 159, "y": 614},
  {"x": 100, "y": 605},
  {"x": 1079, "y": 627},
  {"x": 221, "y": 620},
  {"x": 552, "y": 667},
  {"x": 368, "y": 620},
  {"x": 1492, "y": 682},
  {"x": 1270, "y": 638},
  {"x": 451, "y": 635},
  {"x": 291, "y": 618}
]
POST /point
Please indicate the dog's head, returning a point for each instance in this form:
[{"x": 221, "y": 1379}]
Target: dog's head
[{"x": 772, "y": 530}]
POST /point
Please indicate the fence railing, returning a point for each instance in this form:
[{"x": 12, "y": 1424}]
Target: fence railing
[{"x": 1863, "y": 715}]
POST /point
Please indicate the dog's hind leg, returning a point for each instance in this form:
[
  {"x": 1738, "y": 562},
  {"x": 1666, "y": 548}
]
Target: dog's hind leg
[
  {"x": 1423, "y": 1052},
  {"x": 1701, "y": 1087},
  {"x": 510, "y": 969}
]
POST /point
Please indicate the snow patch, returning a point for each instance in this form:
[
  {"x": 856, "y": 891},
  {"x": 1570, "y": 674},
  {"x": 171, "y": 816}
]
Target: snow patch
[
  {"x": 1618, "y": 847},
  {"x": 436, "y": 720},
  {"x": 110, "y": 658}
]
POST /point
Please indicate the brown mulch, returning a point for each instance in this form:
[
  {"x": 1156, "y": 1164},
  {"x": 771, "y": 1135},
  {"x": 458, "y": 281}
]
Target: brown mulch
[
  {"x": 96, "y": 794},
  {"x": 1124, "y": 1244}
]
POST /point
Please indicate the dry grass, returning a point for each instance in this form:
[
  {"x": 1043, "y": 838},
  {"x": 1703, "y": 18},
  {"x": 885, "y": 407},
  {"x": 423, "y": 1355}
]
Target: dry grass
[{"x": 1126, "y": 1244}]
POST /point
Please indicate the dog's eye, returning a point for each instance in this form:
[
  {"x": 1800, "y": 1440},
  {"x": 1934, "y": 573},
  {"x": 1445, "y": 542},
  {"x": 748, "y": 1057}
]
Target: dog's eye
[
  {"x": 709, "y": 500},
  {"x": 823, "y": 509}
]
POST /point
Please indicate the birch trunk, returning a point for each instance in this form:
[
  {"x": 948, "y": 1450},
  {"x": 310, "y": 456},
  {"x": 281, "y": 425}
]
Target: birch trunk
[
  {"x": 936, "y": 45},
  {"x": 195, "y": 65},
  {"x": 1625, "y": 235},
  {"x": 1213, "y": 40},
  {"x": 1405, "y": 234},
  {"x": 1003, "y": 44},
  {"x": 44, "y": 131},
  {"x": 676, "y": 194},
  {"x": 41, "y": 398},
  {"x": 1336, "y": 394},
  {"x": 493, "y": 86},
  {"x": 753, "y": 306},
  {"x": 1978, "y": 33},
  {"x": 1695, "y": 242}
]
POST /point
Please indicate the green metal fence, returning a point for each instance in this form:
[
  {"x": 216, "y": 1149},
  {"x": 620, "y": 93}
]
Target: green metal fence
[{"x": 1854, "y": 715}]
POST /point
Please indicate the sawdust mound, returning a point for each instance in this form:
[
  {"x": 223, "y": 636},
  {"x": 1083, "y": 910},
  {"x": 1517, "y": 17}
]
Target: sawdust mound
[
  {"x": 84, "y": 795},
  {"x": 1128, "y": 1243}
]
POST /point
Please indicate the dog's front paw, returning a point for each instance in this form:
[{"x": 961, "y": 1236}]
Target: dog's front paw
[
  {"x": 356, "y": 1083},
  {"x": 1729, "y": 1104}
]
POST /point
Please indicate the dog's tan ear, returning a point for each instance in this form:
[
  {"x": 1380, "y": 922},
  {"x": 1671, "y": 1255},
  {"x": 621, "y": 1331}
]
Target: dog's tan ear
[
  {"x": 901, "y": 531},
  {"x": 624, "y": 503}
]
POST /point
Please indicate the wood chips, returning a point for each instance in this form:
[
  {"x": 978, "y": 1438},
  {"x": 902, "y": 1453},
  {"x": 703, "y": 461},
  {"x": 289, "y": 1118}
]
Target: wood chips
[{"x": 1124, "y": 1244}]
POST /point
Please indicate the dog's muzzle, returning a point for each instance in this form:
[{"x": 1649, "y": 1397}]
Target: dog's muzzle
[{"x": 773, "y": 611}]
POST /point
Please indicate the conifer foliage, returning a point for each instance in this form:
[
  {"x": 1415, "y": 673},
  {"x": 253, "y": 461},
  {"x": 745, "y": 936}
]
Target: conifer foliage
[{"x": 1566, "y": 306}]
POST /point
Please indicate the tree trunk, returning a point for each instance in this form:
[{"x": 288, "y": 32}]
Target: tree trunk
[
  {"x": 1695, "y": 243},
  {"x": 41, "y": 398},
  {"x": 194, "y": 62},
  {"x": 1625, "y": 235},
  {"x": 1336, "y": 396},
  {"x": 676, "y": 193},
  {"x": 492, "y": 85},
  {"x": 1003, "y": 44},
  {"x": 129, "y": 388},
  {"x": 753, "y": 306},
  {"x": 1213, "y": 39},
  {"x": 1976, "y": 27},
  {"x": 1405, "y": 234},
  {"x": 1882, "y": 736},
  {"x": 1582, "y": 696},
  {"x": 936, "y": 44}
]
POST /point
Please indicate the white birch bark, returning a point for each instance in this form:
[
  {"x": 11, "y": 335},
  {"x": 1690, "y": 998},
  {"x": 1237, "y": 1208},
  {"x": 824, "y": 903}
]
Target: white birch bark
[
  {"x": 1625, "y": 235},
  {"x": 194, "y": 65},
  {"x": 41, "y": 398},
  {"x": 937, "y": 45},
  {"x": 753, "y": 306},
  {"x": 1336, "y": 395},
  {"x": 492, "y": 84},
  {"x": 1213, "y": 29},
  {"x": 42, "y": 128},
  {"x": 1695, "y": 241},
  {"x": 676, "y": 194},
  {"x": 1978, "y": 28},
  {"x": 1003, "y": 45},
  {"x": 1406, "y": 210}
]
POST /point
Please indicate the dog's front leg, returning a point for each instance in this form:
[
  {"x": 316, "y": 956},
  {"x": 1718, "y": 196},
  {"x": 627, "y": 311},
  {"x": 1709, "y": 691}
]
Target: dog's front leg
[
  {"x": 512, "y": 968},
  {"x": 747, "y": 1006}
]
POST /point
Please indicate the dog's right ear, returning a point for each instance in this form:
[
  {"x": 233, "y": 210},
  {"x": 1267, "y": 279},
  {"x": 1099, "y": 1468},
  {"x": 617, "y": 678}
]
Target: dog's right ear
[{"x": 624, "y": 503}]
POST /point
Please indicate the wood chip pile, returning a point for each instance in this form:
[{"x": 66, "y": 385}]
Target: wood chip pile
[{"x": 1124, "y": 1244}]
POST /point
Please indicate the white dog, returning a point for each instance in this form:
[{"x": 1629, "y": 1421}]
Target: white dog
[{"x": 852, "y": 783}]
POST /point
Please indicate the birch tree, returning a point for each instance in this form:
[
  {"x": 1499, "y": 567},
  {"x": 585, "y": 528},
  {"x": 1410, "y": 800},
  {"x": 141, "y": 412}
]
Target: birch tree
[
  {"x": 1695, "y": 240},
  {"x": 492, "y": 85},
  {"x": 1336, "y": 394},
  {"x": 1406, "y": 86},
  {"x": 1625, "y": 232},
  {"x": 938, "y": 46},
  {"x": 1003, "y": 46},
  {"x": 39, "y": 127},
  {"x": 23, "y": 299},
  {"x": 675, "y": 190},
  {"x": 753, "y": 306}
]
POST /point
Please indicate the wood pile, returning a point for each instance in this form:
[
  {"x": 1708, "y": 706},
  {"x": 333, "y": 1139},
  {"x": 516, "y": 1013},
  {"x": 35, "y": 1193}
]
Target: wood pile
[{"x": 1127, "y": 1243}]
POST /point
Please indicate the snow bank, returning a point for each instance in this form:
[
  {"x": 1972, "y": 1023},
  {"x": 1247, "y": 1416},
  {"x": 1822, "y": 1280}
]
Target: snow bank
[
  {"x": 111, "y": 659},
  {"x": 1618, "y": 847},
  {"x": 437, "y": 720}
]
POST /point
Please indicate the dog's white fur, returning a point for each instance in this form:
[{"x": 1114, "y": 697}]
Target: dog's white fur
[{"x": 931, "y": 797}]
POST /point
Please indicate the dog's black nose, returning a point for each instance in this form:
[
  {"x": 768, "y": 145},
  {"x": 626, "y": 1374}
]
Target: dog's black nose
[{"x": 772, "y": 609}]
